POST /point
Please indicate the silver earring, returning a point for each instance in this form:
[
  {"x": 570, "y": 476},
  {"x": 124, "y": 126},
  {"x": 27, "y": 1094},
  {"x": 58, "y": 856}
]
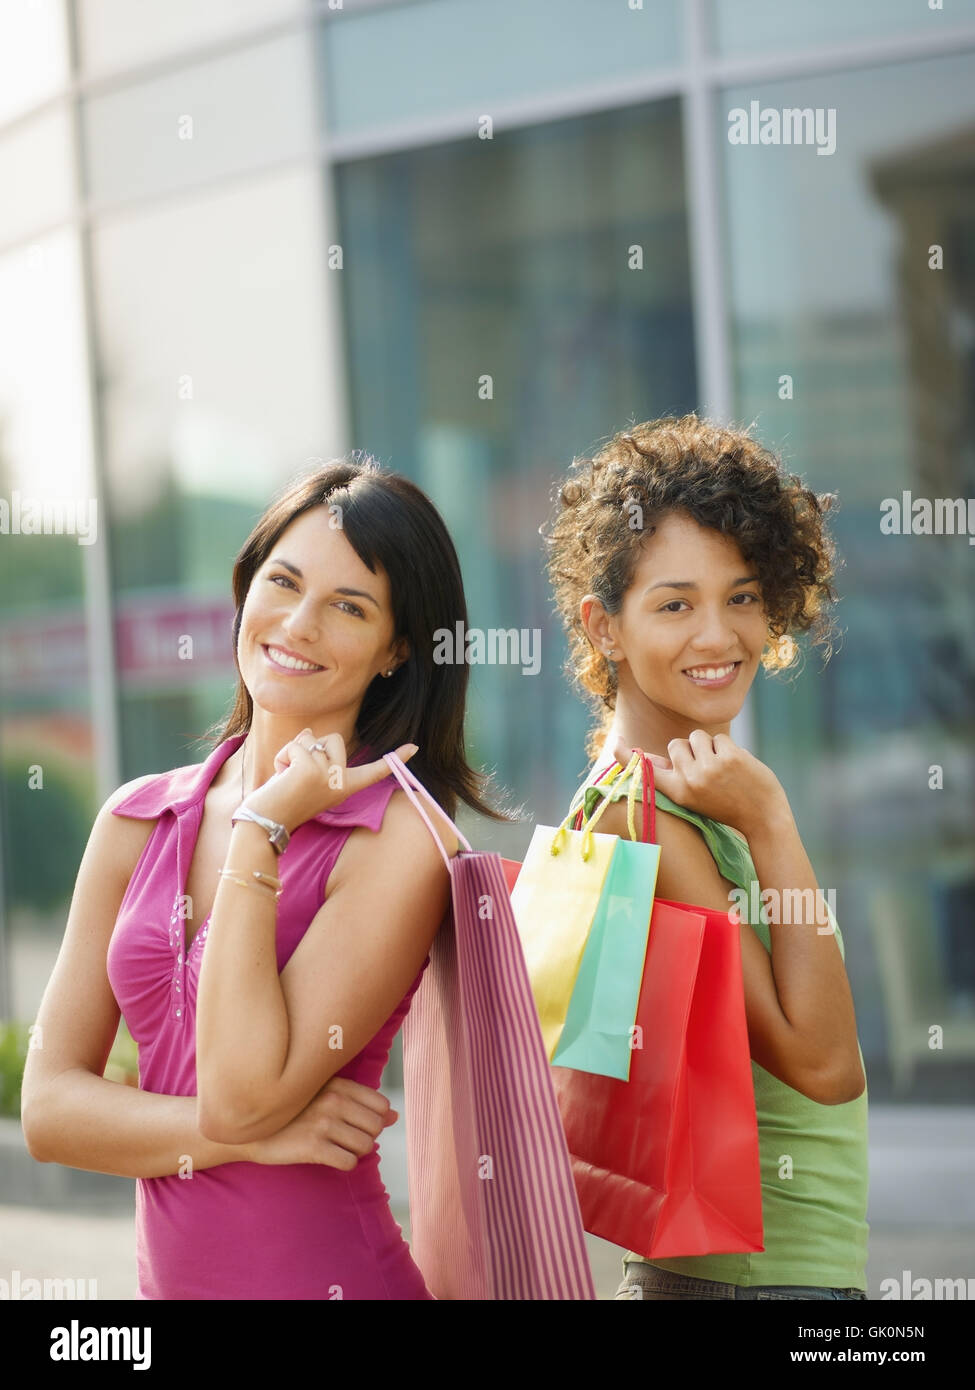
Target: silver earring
[{"x": 389, "y": 673}]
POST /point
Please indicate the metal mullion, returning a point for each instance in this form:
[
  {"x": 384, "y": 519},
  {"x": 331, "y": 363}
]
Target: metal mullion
[
  {"x": 511, "y": 115},
  {"x": 331, "y": 234},
  {"x": 716, "y": 71},
  {"x": 709, "y": 294},
  {"x": 99, "y": 600},
  {"x": 303, "y": 16},
  {"x": 861, "y": 53},
  {"x": 705, "y": 218}
]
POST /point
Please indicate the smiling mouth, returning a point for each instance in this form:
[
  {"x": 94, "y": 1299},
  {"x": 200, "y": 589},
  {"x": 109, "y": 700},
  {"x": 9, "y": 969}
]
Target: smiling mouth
[
  {"x": 283, "y": 661},
  {"x": 713, "y": 676}
]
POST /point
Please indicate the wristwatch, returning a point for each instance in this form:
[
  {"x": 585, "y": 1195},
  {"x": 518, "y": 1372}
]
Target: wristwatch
[{"x": 276, "y": 833}]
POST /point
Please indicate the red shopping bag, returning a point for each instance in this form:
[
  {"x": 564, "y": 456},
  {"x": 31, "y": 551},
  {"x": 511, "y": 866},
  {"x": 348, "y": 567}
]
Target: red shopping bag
[
  {"x": 510, "y": 868},
  {"x": 667, "y": 1163},
  {"x": 493, "y": 1209}
]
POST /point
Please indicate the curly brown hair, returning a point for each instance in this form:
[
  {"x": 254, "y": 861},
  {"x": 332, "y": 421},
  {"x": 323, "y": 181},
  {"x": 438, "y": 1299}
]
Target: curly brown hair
[{"x": 726, "y": 481}]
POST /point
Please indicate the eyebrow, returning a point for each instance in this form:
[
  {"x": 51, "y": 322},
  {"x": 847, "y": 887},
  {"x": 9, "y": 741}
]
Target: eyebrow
[
  {"x": 347, "y": 593},
  {"x": 689, "y": 584}
]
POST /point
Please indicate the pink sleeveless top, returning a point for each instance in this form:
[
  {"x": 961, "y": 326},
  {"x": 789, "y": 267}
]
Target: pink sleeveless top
[{"x": 245, "y": 1230}]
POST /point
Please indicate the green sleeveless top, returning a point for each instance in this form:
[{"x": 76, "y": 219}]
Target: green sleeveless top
[{"x": 813, "y": 1157}]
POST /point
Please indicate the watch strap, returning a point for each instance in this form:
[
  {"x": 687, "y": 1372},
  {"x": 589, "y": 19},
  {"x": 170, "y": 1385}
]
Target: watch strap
[{"x": 276, "y": 833}]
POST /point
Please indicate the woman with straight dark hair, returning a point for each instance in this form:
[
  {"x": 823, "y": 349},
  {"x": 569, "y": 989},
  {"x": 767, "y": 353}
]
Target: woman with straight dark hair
[{"x": 263, "y": 919}]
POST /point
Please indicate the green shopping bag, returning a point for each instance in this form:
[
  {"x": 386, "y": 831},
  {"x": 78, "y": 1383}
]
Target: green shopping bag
[{"x": 597, "y": 1034}]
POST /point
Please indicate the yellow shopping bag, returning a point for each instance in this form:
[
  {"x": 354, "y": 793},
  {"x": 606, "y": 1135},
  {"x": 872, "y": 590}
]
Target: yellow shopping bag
[{"x": 554, "y": 901}]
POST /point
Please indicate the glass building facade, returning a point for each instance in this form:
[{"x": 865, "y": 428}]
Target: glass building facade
[{"x": 239, "y": 237}]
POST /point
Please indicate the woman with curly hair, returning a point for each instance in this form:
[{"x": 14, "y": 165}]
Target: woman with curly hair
[{"x": 682, "y": 559}]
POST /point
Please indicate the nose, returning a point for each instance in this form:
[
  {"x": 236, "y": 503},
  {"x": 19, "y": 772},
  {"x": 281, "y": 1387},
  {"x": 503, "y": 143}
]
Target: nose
[
  {"x": 301, "y": 623},
  {"x": 715, "y": 634}
]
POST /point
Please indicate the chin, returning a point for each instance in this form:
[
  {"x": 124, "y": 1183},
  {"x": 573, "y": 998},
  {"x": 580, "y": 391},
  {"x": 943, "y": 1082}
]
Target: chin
[
  {"x": 716, "y": 707},
  {"x": 718, "y": 711},
  {"x": 273, "y": 700}
]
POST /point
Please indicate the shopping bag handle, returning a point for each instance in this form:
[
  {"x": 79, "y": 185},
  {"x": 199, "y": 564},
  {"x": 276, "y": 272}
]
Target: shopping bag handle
[
  {"x": 648, "y": 795},
  {"x": 611, "y": 775},
  {"x": 649, "y": 800},
  {"x": 409, "y": 782}
]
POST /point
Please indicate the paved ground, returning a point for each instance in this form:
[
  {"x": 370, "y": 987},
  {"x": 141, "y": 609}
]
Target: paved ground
[
  {"x": 922, "y": 1212},
  {"x": 52, "y": 1244}
]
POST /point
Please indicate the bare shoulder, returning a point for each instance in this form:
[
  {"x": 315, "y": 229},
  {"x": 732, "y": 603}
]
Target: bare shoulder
[
  {"x": 402, "y": 852},
  {"x": 126, "y": 789},
  {"x": 687, "y": 870},
  {"x": 118, "y": 840},
  {"x": 671, "y": 829},
  {"x": 404, "y": 824},
  {"x": 401, "y": 840}
]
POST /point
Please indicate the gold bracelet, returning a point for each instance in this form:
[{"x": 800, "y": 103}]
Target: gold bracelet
[
  {"x": 256, "y": 873},
  {"x": 267, "y": 880}
]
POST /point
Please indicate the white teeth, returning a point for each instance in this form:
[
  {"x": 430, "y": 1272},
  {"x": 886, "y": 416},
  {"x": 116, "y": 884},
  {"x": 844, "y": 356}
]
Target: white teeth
[
  {"x": 711, "y": 673},
  {"x": 281, "y": 658}
]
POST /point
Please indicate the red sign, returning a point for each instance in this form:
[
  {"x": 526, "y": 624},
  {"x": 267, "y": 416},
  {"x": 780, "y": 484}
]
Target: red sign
[{"x": 170, "y": 640}]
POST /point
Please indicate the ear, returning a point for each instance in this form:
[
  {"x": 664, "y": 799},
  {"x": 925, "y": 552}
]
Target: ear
[
  {"x": 600, "y": 627},
  {"x": 400, "y": 651}
]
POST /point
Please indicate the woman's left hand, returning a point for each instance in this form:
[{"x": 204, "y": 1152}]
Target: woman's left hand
[
  {"x": 716, "y": 778},
  {"x": 307, "y": 780}
]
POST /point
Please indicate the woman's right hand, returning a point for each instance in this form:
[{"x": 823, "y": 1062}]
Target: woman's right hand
[{"x": 337, "y": 1128}]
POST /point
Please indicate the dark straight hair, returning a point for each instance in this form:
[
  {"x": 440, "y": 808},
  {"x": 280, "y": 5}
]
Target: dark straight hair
[{"x": 389, "y": 522}]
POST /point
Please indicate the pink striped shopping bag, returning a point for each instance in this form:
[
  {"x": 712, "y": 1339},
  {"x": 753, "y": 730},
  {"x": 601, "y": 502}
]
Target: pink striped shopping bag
[{"x": 493, "y": 1206}]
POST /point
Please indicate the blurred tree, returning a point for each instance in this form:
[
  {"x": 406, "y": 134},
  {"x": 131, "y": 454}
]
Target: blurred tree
[{"x": 46, "y": 830}]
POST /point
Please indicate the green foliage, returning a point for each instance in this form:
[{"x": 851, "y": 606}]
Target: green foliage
[
  {"x": 15, "y": 1039},
  {"x": 46, "y": 833},
  {"x": 38, "y": 570}
]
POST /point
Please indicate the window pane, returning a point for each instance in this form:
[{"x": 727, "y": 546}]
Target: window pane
[
  {"x": 35, "y": 161},
  {"x": 44, "y": 450},
  {"x": 217, "y": 386},
  {"x": 835, "y": 302},
  {"x": 505, "y": 269},
  {"x": 33, "y": 54},
  {"x": 47, "y": 796},
  {"x": 251, "y": 108},
  {"x": 118, "y": 33},
  {"x": 437, "y": 57},
  {"x": 769, "y": 26}
]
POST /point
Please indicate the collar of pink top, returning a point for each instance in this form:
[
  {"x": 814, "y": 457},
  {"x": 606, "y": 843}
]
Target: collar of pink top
[{"x": 185, "y": 787}]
